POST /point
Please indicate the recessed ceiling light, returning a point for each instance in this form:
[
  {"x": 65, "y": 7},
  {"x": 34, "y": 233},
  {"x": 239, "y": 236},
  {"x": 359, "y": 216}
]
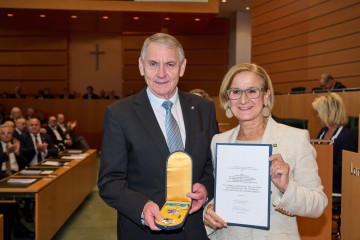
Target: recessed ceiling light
[
  {"x": 247, "y": 8},
  {"x": 167, "y": 19},
  {"x": 10, "y": 15},
  {"x": 42, "y": 15},
  {"x": 197, "y": 19},
  {"x": 136, "y": 18},
  {"x": 223, "y": 1},
  {"x": 73, "y": 16},
  {"x": 105, "y": 17}
]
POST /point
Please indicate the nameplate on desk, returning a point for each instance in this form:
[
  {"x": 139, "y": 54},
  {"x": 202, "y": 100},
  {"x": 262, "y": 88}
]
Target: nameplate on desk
[
  {"x": 75, "y": 156},
  {"x": 21, "y": 180},
  {"x": 51, "y": 163}
]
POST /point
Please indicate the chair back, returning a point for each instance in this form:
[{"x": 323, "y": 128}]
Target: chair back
[{"x": 296, "y": 122}]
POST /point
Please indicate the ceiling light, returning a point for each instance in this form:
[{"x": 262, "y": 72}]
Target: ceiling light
[
  {"x": 105, "y": 17},
  {"x": 136, "y": 18},
  {"x": 73, "y": 16},
  {"x": 167, "y": 19},
  {"x": 197, "y": 19},
  {"x": 247, "y": 8},
  {"x": 224, "y": 1},
  {"x": 42, "y": 15},
  {"x": 10, "y": 15}
]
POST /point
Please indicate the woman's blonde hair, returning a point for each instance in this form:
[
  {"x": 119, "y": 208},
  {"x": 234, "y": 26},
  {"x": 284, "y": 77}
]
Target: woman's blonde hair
[
  {"x": 245, "y": 67},
  {"x": 331, "y": 110}
]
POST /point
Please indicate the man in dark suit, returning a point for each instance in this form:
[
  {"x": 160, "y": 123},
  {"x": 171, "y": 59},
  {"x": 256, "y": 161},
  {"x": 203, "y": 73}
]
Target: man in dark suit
[
  {"x": 56, "y": 135},
  {"x": 17, "y": 93},
  {"x": 327, "y": 82},
  {"x": 11, "y": 161},
  {"x": 37, "y": 146},
  {"x": 20, "y": 128},
  {"x": 90, "y": 93},
  {"x": 134, "y": 150}
]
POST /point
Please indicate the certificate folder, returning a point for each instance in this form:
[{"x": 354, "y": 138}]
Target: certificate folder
[{"x": 242, "y": 184}]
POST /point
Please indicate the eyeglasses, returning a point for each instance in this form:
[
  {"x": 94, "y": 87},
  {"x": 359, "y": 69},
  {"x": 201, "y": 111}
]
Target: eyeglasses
[{"x": 251, "y": 93}]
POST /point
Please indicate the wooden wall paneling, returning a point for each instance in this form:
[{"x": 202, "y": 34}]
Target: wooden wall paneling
[
  {"x": 211, "y": 87},
  {"x": 331, "y": 45},
  {"x": 34, "y": 73},
  {"x": 267, "y": 34},
  {"x": 204, "y": 72},
  {"x": 16, "y": 43},
  {"x": 303, "y": 18},
  {"x": 279, "y": 11},
  {"x": 33, "y": 58},
  {"x": 326, "y": 59},
  {"x": 263, "y": 7},
  {"x": 339, "y": 30}
]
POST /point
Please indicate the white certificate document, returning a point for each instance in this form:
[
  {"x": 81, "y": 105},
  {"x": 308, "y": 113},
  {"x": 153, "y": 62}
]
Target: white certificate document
[{"x": 242, "y": 184}]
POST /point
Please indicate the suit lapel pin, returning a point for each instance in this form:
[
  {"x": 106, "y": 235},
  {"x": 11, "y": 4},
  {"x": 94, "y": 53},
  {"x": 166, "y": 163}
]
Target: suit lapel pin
[{"x": 275, "y": 145}]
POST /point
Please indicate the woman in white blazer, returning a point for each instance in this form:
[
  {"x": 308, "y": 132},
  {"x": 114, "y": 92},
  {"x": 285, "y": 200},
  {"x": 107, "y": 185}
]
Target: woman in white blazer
[{"x": 247, "y": 94}]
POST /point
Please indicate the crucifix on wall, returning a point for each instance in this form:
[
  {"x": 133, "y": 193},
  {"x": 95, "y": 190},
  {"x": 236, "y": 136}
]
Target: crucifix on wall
[{"x": 97, "y": 53}]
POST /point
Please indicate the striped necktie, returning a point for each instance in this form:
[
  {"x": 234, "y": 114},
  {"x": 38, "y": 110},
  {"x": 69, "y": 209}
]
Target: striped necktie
[{"x": 173, "y": 135}]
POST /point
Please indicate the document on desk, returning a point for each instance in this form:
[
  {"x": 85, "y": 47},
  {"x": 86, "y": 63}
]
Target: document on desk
[{"x": 242, "y": 187}]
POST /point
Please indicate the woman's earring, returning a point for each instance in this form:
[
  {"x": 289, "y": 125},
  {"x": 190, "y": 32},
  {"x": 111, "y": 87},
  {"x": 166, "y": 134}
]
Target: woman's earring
[
  {"x": 229, "y": 113},
  {"x": 266, "y": 111}
]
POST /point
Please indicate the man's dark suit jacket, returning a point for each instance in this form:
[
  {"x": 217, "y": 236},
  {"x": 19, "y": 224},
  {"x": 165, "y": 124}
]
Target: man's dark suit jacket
[
  {"x": 28, "y": 147},
  {"x": 22, "y": 163},
  {"x": 133, "y": 161},
  {"x": 51, "y": 134}
]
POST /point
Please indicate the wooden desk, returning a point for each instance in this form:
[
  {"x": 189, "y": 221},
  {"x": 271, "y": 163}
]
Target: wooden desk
[
  {"x": 320, "y": 228},
  {"x": 56, "y": 198},
  {"x": 1, "y": 227}
]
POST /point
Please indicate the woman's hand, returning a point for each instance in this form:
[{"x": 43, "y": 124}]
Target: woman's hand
[
  {"x": 279, "y": 172},
  {"x": 212, "y": 220}
]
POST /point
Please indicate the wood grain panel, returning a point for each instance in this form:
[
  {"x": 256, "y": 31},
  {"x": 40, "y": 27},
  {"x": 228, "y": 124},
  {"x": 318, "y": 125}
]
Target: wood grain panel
[
  {"x": 333, "y": 58},
  {"x": 33, "y": 43},
  {"x": 31, "y": 87},
  {"x": 309, "y": 84},
  {"x": 192, "y": 73},
  {"x": 267, "y": 33},
  {"x": 33, "y": 58},
  {"x": 264, "y": 7},
  {"x": 331, "y": 45},
  {"x": 339, "y": 30},
  {"x": 312, "y": 73},
  {"x": 199, "y": 57},
  {"x": 34, "y": 73}
]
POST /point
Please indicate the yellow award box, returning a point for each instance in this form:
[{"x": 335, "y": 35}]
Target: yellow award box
[{"x": 178, "y": 183}]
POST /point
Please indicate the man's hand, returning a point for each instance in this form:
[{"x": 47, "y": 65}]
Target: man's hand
[
  {"x": 198, "y": 197},
  {"x": 151, "y": 212}
]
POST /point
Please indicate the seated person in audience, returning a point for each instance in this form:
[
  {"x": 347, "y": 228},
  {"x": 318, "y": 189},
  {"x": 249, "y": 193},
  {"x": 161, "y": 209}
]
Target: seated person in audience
[
  {"x": 112, "y": 95},
  {"x": 30, "y": 113},
  {"x": 90, "y": 93},
  {"x": 47, "y": 94},
  {"x": 331, "y": 111},
  {"x": 66, "y": 94},
  {"x": 17, "y": 93},
  {"x": 102, "y": 94},
  {"x": 79, "y": 142},
  {"x": 2, "y": 113},
  {"x": 57, "y": 136},
  {"x": 11, "y": 161},
  {"x": 20, "y": 128},
  {"x": 327, "y": 82},
  {"x": 201, "y": 93},
  {"x": 37, "y": 146},
  {"x": 14, "y": 114}
]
